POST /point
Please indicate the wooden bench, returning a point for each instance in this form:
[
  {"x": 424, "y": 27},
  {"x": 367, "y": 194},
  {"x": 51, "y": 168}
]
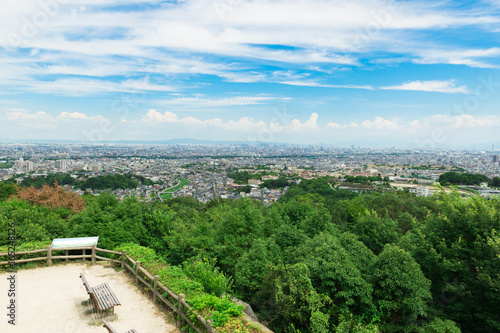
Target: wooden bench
[
  {"x": 112, "y": 330},
  {"x": 101, "y": 296},
  {"x": 87, "y": 286}
]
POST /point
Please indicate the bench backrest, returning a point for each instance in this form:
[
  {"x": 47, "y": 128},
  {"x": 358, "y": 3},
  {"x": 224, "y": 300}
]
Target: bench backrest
[
  {"x": 86, "y": 284},
  {"x": 112, "y": 330},
  {"x": 108, "y": 327}
]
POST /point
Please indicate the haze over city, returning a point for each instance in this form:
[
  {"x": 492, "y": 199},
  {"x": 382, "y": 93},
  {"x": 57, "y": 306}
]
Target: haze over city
[{"x": 371, "y": 73}]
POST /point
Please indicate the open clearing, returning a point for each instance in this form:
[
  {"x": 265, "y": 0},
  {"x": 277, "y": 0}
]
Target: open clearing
[
  {"x": 168, "y": 193},
  {"x": 53, "y": 299}
]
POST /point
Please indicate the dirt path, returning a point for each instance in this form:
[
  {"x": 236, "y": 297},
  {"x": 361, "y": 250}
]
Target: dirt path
[{"x": 53, "y": 299}]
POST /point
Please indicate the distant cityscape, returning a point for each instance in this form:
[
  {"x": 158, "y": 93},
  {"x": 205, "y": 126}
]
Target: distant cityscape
[{"x": 207, "y": 172}]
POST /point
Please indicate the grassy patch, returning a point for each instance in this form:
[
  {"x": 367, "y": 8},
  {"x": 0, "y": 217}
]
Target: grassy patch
[
  {"x": 181, "y": 185},
  {"x": 168, "y": 194},
  {"x": 6, "y": 165}
]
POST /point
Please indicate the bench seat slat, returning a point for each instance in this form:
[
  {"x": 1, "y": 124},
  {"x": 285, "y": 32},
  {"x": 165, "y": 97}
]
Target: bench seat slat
[
  {"x": 112, "y": 330},
  {"x": 102, "y": 295},
  {"x": 105, "y": 297}
]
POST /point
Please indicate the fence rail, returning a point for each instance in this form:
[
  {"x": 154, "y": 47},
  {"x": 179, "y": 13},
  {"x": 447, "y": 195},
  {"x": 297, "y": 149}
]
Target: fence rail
[{"x": 184, "y": 312}]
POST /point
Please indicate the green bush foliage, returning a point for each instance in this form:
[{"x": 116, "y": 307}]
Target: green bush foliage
[
  {"x": 191, "y": 281},
  {"x": 211, "y": 278},
  {"x": 318, "y": 260}
]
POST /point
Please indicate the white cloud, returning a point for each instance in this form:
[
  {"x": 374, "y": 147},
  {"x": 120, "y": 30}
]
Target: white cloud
[
  {"x": 223, "y": 101},
  {"x": 465, "y": 121},
  {"x": 78, "y": 87},
  {"x": 312, "y": 83},
  {"x": 155, "y": 118},
  {"x": 448, "y": 87},
  {"x": 470, "y": 57},
  {"x": 167, "y": 124},
  {"x": 78, "y": 116},
  {"x": 25, "y": 115},
  {"x": 309, "y": 125},
  {"x": 333, "y": 125},
  {"x": 379, "y": 123},
  {"x": 72, "y": 116},
  {"x": 21, "y": 123},
  {"x": 185, "y": 37}
]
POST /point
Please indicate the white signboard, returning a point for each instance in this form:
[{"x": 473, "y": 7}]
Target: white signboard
[{"x": 74, "y": 242}]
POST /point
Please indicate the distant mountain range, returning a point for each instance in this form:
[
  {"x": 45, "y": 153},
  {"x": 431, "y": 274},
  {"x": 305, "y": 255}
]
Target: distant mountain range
[{"x": 187, "y": 141}]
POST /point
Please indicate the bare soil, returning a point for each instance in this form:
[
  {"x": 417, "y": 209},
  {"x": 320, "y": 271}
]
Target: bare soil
[{"x": 53, "y": 299}]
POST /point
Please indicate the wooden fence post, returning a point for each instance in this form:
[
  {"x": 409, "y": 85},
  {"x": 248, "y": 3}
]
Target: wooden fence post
[
  {"x": 67, "y": 253},
  {"x": 123, "y": 259},
  {"x": 179, "y": 311},
  {"x": 137, "y": 267},
  {"x": 210, "y": 329},
  {"x": 155, "y": 284},
  {"x": 93, "y": 254},
  {"x": 49, "y": 255}
]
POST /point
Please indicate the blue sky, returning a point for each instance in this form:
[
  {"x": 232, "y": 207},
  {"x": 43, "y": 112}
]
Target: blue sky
[{"x": 374, "y": 72}]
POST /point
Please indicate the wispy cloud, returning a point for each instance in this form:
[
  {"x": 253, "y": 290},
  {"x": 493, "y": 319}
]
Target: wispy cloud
[
  {"x": 81, "y": 86},
  {"x": 448, "y": 87},
  {"x": 222, "y": 101},
  {"x": 471, "y": 57},
  {"x": 312, "y": 83},
  {"x": 336, "y": 59}
]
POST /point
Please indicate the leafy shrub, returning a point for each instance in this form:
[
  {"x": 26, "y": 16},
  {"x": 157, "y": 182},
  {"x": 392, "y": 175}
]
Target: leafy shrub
[
  {"x": 176, "y": 280},
  {"x": 351, "y": 324},
  {"x": 204, "y": 271},
  {"x": 441, "y": 326},
  {"x": 30, "y": 246},
  {"x": 235, "y": 325},
  {"x": 138, "y": 253},
  {"x": 219, "y": 309}
]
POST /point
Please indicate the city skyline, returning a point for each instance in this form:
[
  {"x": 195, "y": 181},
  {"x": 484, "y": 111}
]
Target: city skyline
[{"x": 420, "y": 73}]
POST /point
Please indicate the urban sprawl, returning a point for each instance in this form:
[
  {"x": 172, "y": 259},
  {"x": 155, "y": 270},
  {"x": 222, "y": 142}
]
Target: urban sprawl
[{"x": 207, "y": 172}]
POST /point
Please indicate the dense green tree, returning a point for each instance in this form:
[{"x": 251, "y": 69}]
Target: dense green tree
[
  {"x": 32, "y": 223},
  {"x": 400, "y": 288},
  {"x": 336, "y": 274},
  {"x": 7, "y": 190},
  {"x": 495, "y": 182},
  {"x": 113, "y": 221},
  {"x": 307, "y": 212},
  {"x": 362, "y": 179},
  {"x": 254, "y": 265},
  {"x": 38, "y": 182},
  {"x": 457, "y": 178},
  {"x": 235, "y": 226},
  {"x": 112, "y": 182},
  {"x": 318, "y": 260},
  {"x": 289, "y": 300},
  {"x": 276, "y": 183},
  {"x": 375, "y": 232},
  {"x": 454, "y": 253}
]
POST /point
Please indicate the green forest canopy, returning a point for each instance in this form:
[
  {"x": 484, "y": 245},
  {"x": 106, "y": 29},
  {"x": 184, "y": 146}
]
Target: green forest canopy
[
  {"x": 318, "y": 260},
  {"x": 126, "y": 181},
  {"x": 456, "y": 178}
]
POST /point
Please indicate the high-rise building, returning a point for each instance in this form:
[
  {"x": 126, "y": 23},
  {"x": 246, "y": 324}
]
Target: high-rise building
[
  {"x": 61, "y": 164},
  {"x": 96, "y": 166},
  {"x": 19, "y": 163},
  {"x": 495, "y": 158},
  {"x": 29, "y": 166}
]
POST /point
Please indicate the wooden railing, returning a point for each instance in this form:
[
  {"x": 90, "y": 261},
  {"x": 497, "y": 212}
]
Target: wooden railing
[{"x": 183, "y": 311}]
